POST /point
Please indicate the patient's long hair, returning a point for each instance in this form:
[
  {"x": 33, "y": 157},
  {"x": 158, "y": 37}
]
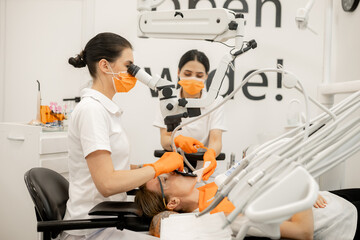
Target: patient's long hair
[{"x": 150, "y": 202}]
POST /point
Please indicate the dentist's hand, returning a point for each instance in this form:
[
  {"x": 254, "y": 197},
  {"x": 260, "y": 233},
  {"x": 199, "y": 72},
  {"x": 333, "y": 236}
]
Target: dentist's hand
[
  {"x": 188, "y": 144},
  {"x": 209, "y": 156},
  {"x": 169, "y": 162}
]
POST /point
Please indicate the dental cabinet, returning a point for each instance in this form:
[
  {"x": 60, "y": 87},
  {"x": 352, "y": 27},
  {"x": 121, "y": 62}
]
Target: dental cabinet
[{"x": 23, "y": 147}]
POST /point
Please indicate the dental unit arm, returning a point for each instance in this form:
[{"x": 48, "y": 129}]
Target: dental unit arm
[
  {"x": 202, "y": 24},
  {"x": 277, "y": 179}
]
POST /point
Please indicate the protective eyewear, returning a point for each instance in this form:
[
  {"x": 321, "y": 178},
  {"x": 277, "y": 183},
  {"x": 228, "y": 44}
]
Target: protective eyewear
[{"x": 162, "y": 191}]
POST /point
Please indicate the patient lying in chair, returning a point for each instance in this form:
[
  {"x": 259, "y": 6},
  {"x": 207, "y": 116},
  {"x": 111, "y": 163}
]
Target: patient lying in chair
[{"x": 175, "y": 193}]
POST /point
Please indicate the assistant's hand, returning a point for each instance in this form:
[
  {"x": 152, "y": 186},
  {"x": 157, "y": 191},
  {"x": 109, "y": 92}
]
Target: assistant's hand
[
  {"x": 320, "y": 202},
  {"x": 169, "y": 162},
  {"x": 209, "y": 156},
  {"x": 188, "y": 144}
]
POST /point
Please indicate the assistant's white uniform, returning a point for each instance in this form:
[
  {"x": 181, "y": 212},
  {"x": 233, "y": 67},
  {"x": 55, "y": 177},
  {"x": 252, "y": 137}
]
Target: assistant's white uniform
[
  {"x": 95, "y": 124},
  {"x": 200, "y": 129}
]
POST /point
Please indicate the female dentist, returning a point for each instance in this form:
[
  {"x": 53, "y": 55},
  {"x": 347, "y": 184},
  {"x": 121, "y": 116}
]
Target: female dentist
[
  {"x": 99, "y": 166},
  {"x": 193, "y": 71}
]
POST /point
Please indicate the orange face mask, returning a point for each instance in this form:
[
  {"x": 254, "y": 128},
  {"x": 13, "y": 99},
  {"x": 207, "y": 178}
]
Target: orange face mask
[
  {"x": 124, "y": 82},
  {"x": 192, "y": 85}
]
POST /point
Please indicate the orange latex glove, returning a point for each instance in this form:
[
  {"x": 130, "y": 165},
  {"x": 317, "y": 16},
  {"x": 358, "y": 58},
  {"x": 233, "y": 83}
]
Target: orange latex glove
[
  {"x": 188, "y": 144},
  {"x": 169, "y": 162},
  {"x": 209, "y": 156}
]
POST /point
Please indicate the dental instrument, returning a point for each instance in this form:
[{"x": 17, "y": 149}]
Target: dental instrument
[{"x": 324, "y": 155}]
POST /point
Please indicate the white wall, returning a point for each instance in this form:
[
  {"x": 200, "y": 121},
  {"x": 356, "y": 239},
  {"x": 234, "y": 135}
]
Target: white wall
[
  {"x": 2, "y": 57},
  {"x": 39, "y": 38},
  {"x": 41, "y": 35},
  {"x": 345, "y": 65}
]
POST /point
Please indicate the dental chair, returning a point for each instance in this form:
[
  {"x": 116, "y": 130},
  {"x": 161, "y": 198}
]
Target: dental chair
[
  {"x": 49, "y": 192},
  {"x": 193, "y": 158}
]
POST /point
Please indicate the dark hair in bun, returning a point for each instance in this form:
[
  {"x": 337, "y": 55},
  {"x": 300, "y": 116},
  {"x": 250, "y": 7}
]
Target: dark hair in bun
[
  {"x": 108, "y": 46},
  {"x": 78, "y": 61}
]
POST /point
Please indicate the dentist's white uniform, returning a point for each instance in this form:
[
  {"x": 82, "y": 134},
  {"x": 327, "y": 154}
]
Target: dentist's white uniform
[{"x": 95, "y": 124}]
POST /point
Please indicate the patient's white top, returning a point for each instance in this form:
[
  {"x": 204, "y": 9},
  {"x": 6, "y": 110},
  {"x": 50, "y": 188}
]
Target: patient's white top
[
  {"x": 95, "y": 124},
  {"x": 337, "y": 220},
  {"x": 199, "y": 129}
]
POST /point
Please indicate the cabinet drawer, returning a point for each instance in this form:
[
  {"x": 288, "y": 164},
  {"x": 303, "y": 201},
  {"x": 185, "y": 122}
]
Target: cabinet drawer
[
  {"x": 59, "y": 165},
  {"x": 53, "y": 144}
]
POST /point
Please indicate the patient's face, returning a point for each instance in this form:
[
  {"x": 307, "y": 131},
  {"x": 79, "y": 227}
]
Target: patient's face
[{"x": 174, "y": 185}]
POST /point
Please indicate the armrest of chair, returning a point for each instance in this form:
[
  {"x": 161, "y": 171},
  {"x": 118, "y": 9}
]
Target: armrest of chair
[
  {"x": 130, "y": 223},
  {"x": 124, "y": 215},
  {"x": 111, "y": 208},
  {"x": 57, "y": 226}
]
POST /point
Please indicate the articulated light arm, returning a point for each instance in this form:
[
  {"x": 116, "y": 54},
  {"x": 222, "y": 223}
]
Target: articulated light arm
[{"x": 215, "y": 24}]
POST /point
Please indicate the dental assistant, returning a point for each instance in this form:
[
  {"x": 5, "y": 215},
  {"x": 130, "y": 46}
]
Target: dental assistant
[
  {"x": 99, "y": 164},
  {"x": 193, "y": 72}
]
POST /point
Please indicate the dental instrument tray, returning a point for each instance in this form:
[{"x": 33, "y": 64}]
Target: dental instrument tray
[
  {"x": 186, "y": 174},
  {"x": 191, "y": 156}
]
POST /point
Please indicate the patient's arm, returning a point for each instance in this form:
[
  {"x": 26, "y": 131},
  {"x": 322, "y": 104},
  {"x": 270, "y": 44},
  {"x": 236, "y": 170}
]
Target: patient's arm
[
  {"x": 300, "y": 226},
  {"x": 156, "y": 221},
  {"x": 320, "y": 202}
]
